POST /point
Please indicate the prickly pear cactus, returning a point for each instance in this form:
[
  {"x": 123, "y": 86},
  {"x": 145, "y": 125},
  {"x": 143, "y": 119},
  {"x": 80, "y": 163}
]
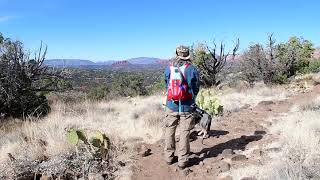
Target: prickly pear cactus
[
  {"x": 106, "y": 142},
  {"x": 72, "y": 137},
  {"x": 208, "y": 101},
  {"x": 82, "y": 136},
  {"x": 97, "y": 139},
  {"x": 99, "y": 143}
]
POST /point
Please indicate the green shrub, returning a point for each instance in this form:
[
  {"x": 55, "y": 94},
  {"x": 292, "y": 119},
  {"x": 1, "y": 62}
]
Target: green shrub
[
  {"x": 302, "y": 64},
  {"x": 314, "y": 66},
  {"x": 126, "y": 84},
  {"x": 281, "y": 79},
  {"x": 99, "y": 93},
  {"x": 24, "y": 81},
  {"x": 157, "y": 86},
  {"x": 275, "y": 63}
]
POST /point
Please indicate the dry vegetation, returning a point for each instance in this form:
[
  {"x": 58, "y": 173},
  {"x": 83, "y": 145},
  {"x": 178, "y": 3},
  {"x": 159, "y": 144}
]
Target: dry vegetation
[
  {"x": 41, "y": 146},
  {"x": 297, "y": 156},
  {"x": 234, "y": 100}
]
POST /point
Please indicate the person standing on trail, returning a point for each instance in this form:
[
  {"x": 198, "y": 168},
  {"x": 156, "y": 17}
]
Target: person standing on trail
[{"x": 182, "y": 85}]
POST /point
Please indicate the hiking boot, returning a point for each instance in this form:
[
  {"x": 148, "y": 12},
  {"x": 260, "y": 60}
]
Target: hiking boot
[{"x": 174, "y": 160}]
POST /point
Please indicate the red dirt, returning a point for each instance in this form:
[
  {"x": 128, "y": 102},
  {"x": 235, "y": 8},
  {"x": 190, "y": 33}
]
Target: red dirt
[{"x": 237, "y": 131}]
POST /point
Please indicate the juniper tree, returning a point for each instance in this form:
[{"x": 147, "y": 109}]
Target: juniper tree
[{"x": 25, "y": 80}]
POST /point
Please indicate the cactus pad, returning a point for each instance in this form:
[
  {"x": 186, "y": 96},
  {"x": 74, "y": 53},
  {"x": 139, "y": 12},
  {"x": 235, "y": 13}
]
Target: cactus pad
[
  {"x": 82, "y": 136},
  {"x": 72, "y": 137}
]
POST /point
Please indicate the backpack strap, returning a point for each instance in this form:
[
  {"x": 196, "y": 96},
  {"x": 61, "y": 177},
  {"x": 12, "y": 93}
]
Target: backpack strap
[{"x": 183, "y": 75}]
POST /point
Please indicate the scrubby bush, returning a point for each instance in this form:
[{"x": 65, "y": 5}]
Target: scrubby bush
[
  {"x": 24, "y": 81},
  {"x": 211, "y": 61},
  {"x": 99, "y": 93},
  {"x": 125, "y": 84},
  {"x": 313, "y": 67},
  {"x": 294, "y": 55},
  {"x": 157, "y": 87},
  {"x": 275, "y": 63},
  {"x": 281, "y": 79},
  {"x": 254, "y": 65}
]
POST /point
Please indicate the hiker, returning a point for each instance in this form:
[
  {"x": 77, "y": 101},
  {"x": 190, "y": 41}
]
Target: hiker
[{"x": 182, "y": 84}]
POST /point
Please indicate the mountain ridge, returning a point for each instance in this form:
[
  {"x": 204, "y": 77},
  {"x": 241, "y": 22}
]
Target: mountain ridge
[{"x": 86, "y": 62}]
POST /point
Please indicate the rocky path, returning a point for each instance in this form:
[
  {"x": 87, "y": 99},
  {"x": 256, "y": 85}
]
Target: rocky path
[{"x": 236, "y": 141}]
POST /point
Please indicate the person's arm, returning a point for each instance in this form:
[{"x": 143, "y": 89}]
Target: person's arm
[
  {"x": 166, "y": 77},
  {"x": 195, "y": 82}
]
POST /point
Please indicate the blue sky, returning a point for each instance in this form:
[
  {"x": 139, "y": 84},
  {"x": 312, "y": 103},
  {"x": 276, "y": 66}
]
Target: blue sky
[{"x": 121, "y": 29}]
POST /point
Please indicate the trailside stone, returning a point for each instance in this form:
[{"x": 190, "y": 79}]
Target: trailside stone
[
  {"x": 275, "y": 149},
  {"x": 266, "y": 103},
  {"x": 227, "y": 153},
  {"x": 239, "y": 157}
]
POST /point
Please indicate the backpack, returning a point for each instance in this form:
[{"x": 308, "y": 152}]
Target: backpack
[{"x": 178, "y": 89}]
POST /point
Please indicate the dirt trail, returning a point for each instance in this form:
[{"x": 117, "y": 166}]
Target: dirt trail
[{"x": 238, "y": 131}]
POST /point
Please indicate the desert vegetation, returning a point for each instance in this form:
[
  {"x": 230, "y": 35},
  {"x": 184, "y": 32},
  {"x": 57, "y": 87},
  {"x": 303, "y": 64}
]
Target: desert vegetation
[
  {"x": 275, "y": 63},
  {"x": 295, "y": 153},
  {"x": 95, "y": 129},
  {"x": 212, "y": 61},
  {"x": 42, "y": 146},
  {"x": 24, "y": 80}
]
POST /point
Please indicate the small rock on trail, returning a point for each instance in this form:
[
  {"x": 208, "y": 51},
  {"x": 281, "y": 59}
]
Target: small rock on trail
[
  {"x": 239, "y": 157},
  {"x": 227, "y": 153},
  {"x": 266, "y": 103}
]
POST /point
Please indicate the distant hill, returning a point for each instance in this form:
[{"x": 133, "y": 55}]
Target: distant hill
[
  {"x": 104, "y": 63},
  {"x": 121, "y": 63},
  {"x": 68, "y": 62},
  {"x": 82, "y": 62},
  {"x": 143, "y": 60}
]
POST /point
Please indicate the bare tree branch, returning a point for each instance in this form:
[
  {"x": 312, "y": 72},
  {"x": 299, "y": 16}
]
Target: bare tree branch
[{"x": 211, "y": 63}]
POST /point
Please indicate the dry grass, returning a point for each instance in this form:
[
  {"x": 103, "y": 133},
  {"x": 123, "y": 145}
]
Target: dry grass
[
  {"x": 125, "y": 121},
  {"x": 299, "y": 156},
  {"x": 234, "y": 100}
]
